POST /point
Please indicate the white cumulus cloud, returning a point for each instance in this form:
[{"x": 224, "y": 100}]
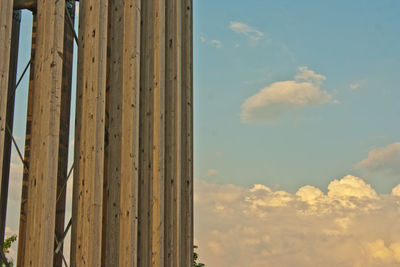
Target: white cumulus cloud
[
  {"x": 242, "y": 28},
  {"x": 279, "y": 98},
  {"x": 349, "y": 225},
  {"x": 396, "y": 191},
  {"x": 383, "y": 159}
]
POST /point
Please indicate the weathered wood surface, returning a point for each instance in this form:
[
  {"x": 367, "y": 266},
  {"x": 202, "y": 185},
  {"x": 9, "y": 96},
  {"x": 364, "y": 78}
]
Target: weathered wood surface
[
  {"x": 172, "y": 132},
  {"x": 151, "y": 135},
  {"x": 64, "y": 130},
  {"x": 45, "y": 135},
  {"x": 123, "y": 134},
  {"x": 186, "y": 127},
  {"x": 6, "y": 13},
  {"x": 28, "y": 131},
  {"x": 89, "y": 134},
  {"x": 5, "y": 174},
  {"x": 145, "y": 216}
]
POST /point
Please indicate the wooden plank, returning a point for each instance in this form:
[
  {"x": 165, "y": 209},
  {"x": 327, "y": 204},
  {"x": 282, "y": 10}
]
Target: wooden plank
[
  {"x": 158, "y": 179},
  {"x": 45, "y": 135},
  {"x": 172, "y": 126},
  {"x": 151, "y": 135},
  {"x": 89, "y": 134},
  {"x": 25, "y": 178},
  {"x": 6, "y": 13},
  {"x": 123, "y": 147},
  {"x": 186, "y": 199},
  {"x": 64, "y": 129},
  {"x": 9, "y": 122},
  {"x": 106, "y": 141},
  {"x": 25, "y": 4}
]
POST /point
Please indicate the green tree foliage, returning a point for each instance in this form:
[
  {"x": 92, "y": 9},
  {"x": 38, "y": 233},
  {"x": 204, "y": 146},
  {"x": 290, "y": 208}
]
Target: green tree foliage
[
  {"x": 195, "y": 257},
  {"x": 7, "y": 245}
]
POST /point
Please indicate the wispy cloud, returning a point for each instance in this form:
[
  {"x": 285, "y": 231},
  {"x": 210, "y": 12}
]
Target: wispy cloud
[
  {"x": 383, "y": 159},
  {"x": 215, "y": 43},
  {"x": 356, "y": 85},
  {"x": 242, "y": 28},
  {"x": 350, "y": 225},
  {"x": 279, "y": 98},
  {"x": 211, "y": 172}
]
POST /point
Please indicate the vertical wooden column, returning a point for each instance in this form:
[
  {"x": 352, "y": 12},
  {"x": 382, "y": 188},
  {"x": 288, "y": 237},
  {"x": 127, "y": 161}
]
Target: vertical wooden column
[
  {"x": 123, "y": 138},
  {"x": 172, "y": 134},
  {"x": 45, "y": 134},
  {"x": 89, "y": 134},
  {"x": 186, "y": 166},
  {"x": 64, "y": 129},
  {"x": 151, "y": 135},
  {"x": 6, "y": 13},
  {"x": 106, "y": 141},
  {"x": 9, "y": 123},
  {"x": 25, "y": 178}
]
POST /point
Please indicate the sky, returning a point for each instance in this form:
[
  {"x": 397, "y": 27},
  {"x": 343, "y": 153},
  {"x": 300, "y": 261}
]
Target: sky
[{"x": 296, "y": 132}]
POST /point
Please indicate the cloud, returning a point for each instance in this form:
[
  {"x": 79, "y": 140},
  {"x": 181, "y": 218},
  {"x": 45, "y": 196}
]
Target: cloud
[
  {"x": 350, "y": 225},
  {"x": 389, "y": 254},
  {"x": 210, "y": 172},
  {"x": 396, "y": 191},
  {"x": 242, "y": 28},
  {"x": 215, "y": 43},
  {"x": 383, "y": 159},
  {"x": 15, "y": 182},
  {"x": 357, "y": 84},
  {"x": 279, "y": 98}
]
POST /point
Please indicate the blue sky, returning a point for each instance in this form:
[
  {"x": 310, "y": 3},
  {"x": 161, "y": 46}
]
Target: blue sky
[{"x": 355, "y": 45}]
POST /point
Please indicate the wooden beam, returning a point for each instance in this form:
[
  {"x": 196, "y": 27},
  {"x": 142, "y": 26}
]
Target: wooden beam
[
  {"x": 172, "y": 134},
  {"x": 186, "y": 167},
  {"x": 25, "y": 178},
  {"x": 45, "y": 135},
  {"x": 25, "y": 4},
  {"x": 64, "y": 129},
  {"x": 89, "y": 134},
  {"x": 9, "y": 119},
  {"x": 123, "y": 142},
  {"x": 6, "y": 13},
  {"x": 151, "y": 135}
]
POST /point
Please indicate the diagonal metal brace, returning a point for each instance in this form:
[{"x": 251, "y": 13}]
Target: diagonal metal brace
[{"x": 61, "y": 241}]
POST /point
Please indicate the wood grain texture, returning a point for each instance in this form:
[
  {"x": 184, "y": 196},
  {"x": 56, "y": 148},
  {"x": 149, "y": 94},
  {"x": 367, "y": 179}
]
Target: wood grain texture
[
  {"x": 25, "y": 178},
  {"x": 5, "y": 174},
  {"x": 89, "y": 134},
  {"x": 45, "y": 135},
  {"x": 64, "y": 130},
  {"x": 123, "y": 141},
  {"x": 151, "y": 135},
  {"x": 6, "y": 13},
  {"x": 172, "y": 132},
  {"x": 186, "y": 167}
]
